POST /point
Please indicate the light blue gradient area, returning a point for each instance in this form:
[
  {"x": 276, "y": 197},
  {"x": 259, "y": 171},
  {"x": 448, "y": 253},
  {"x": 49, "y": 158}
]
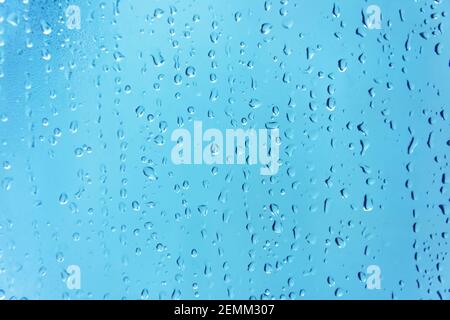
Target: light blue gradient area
[{"x": 365, "y": 183}]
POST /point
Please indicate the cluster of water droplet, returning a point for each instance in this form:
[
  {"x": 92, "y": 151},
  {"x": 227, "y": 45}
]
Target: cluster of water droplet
[{"x": 86, "y": 118}]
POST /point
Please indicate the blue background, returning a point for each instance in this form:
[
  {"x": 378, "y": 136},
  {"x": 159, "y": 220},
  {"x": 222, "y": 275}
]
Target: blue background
[{"x": 70, "y": 128}]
